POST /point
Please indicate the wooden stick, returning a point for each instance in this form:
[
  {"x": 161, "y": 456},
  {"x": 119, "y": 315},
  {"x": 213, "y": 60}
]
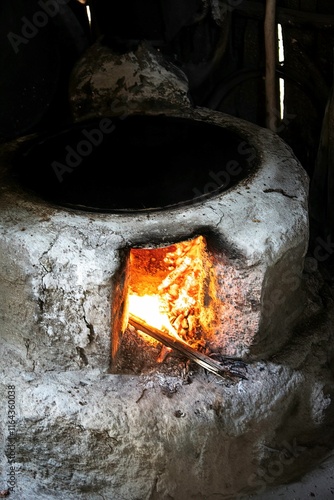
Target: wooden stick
[{"x": 191, "y": 353}]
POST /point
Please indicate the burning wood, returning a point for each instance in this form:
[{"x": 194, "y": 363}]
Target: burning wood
[
  {"x": 181, "y": 289},
  {"x": 226, "y": 367}
]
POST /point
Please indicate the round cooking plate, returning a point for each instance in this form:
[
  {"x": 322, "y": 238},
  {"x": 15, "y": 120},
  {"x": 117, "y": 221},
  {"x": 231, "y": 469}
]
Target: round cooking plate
[{"x": 141, "y": 162}]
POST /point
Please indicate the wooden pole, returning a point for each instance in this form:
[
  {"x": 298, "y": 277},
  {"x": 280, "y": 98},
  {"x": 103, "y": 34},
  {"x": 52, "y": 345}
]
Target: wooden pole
[
  {"x": 270, "y": 39},
  {"x": 286, "y": 16}
]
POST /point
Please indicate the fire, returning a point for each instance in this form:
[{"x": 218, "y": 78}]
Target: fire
[
  {"x": 169, "y": 304},
  {"x": 166, "y": 288},
  {"x": 150, "y": 309}
]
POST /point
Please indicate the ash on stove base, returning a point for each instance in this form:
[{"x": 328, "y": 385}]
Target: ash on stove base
[{"x": 137, "y": 356}]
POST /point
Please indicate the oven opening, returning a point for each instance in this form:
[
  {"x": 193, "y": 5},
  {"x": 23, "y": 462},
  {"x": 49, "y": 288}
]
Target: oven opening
[{"x": 170, "y": 309}]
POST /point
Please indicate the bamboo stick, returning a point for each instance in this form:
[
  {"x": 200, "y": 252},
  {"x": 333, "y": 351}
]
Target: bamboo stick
[{"x": 188, "y": 351}]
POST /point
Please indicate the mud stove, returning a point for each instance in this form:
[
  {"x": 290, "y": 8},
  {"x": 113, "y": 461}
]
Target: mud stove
[{"x": 196, "y": 223}]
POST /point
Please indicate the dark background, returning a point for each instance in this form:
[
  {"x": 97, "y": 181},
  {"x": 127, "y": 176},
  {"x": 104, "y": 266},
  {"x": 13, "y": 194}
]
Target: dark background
[{"x": 220, "y": 47}]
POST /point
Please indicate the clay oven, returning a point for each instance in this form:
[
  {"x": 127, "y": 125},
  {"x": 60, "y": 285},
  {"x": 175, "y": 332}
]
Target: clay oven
[{"x": 202, "y": 234}]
